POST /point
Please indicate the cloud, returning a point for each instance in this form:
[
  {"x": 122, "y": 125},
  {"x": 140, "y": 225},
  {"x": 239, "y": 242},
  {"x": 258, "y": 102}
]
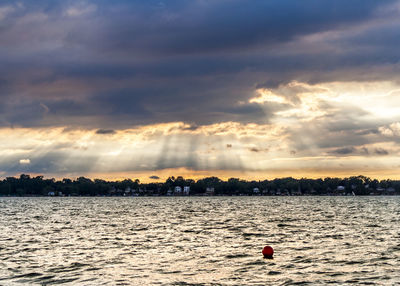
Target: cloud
[
  {"x": 392, "y": 130},
  {"x": 381, "y": 151},
  {"x": 73, "y": 152},
  {"x": 24, "y": 161},
  {"x": 80, "y": 9},
  {"x": 154, "y": 177},
  {"x": 46, "y": 109},
  {"x": 257, "y": 150},
  {"x": 5, "y": 11},
  {"x": 105, "y": 131},
  {"x": 367, "y": 131},
  {"x": 135, "y": 63},
  {"x": 147, "y": 148},
  {"x": 189, "y": 80},
  {"x": 200, "y": 27},
  {"x": 344, "y": 151}
]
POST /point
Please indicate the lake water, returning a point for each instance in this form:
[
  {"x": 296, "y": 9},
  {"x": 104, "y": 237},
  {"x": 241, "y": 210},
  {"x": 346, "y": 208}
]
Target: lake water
[{"x": 200, "y": 241}]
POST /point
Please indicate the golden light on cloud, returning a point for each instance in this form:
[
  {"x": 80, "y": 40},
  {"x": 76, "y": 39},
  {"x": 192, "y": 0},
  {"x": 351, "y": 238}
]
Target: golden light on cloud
[
  {"x": 303, "y": 136},
  {"x": 391, "y": 130},
  {"x": 308, "y": 102},
  {"x": 303, "y": 100},
  {"x": 24, "y": 161},
  {"x": 266, "y": 95}
]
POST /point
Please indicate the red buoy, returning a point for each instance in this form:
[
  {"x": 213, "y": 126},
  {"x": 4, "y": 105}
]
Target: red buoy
[{"x": 268, "y": 252}]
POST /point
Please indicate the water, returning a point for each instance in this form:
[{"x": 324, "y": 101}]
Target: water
[{"x": 200, "y": 241}]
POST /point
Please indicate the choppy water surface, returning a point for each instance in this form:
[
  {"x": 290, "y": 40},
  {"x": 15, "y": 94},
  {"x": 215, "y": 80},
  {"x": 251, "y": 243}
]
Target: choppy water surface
[{"x": 200, "y": 241}]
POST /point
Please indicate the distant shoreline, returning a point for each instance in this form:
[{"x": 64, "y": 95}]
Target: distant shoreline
[
  {"x": 27, "y": 186},
  {"x": 195, "y": 196}
]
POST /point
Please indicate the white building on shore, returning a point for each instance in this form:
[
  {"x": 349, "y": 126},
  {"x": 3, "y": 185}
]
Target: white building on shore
[
  {"x": 178, "y": 190},
  {"x": 186, "y": 190}
]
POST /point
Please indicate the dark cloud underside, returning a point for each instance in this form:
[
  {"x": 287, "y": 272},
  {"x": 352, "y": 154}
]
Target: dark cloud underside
[{"x": 110, "y": 65}]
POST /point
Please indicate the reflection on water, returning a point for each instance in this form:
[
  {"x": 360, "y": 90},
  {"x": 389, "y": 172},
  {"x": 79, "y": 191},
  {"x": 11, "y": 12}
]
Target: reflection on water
[{"x": 200, "y": 241}]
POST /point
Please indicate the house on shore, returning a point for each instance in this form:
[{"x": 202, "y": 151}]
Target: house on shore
[
  {"x": 178, "y": 191},
  {"x": 209, "y": 191},
  {"x": 186, "y": 190}
]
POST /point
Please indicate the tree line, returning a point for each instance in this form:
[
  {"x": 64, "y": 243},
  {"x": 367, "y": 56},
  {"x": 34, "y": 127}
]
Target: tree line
[{"x": 25, "y": 185}]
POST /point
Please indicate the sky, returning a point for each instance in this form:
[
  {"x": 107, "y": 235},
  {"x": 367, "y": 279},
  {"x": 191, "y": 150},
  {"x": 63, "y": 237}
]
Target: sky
[{"x": 228, "y": 88}]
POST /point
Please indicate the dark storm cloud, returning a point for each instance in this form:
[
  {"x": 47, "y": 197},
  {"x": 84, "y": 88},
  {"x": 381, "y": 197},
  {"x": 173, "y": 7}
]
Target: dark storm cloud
[
  {"x": 381, "y": 151},
  {"x": 105, "y": 131},
  {"x": 102, "y": 64},
  {"x": 351, "y": 150},
  {"x": 230, "y": 25},
  {"x": 344, "y": 151},
  {"x": 257, "y": 150},
  {"x": 201, "y": 27},
  {"x": 367, "y": 131}
]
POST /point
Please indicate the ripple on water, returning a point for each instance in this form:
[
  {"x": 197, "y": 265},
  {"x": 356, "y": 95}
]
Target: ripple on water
[{"x": 199, "y": 241}]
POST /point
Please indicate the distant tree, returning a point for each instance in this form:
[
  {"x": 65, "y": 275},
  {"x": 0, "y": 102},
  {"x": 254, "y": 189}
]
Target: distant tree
[{"x": 25, "y": 185}]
